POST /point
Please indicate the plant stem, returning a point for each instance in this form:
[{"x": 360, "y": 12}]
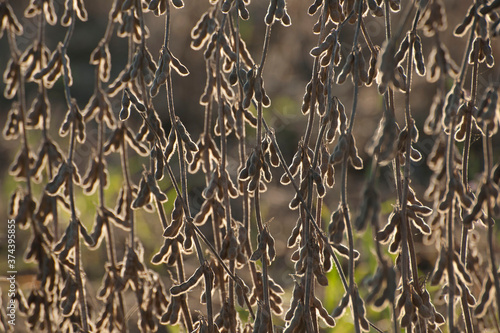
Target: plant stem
[
  {"x": 246, "y": 204},
  {"x": 450, "y": 221},
  {"x": 343, "y": 189},
  {"x": 316, "y": 67},
  {"x": 465, "y": 165},
  {"x": 72, "y": 107},
  {"x": 223, "y": 163},
  {"x": 265, "y": 281},
  {"x": 488, "y": 165}
]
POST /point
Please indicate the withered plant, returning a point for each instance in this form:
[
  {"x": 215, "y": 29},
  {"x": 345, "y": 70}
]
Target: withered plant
[{"x": 405, "y": 225}]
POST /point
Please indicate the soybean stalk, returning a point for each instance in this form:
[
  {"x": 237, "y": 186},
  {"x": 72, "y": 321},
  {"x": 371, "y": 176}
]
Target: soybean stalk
[
  {"x": 223, "y": 162},
  {"x": 488, "y": 161},
  {"x": 465, "y": 176},
  {"x": 343, "y": 188},
  {"x": 246, "y": 204},
  {"x": 74, "y": 219}
]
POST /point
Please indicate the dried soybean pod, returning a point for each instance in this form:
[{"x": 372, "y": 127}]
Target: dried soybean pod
[
  {"x": 306, "y": 101},
  {"x": 339, "y": 310},
  {"x": 356, "y": 161},
  {"x": 188, "y": 284},
  {"x": 346, "y": 69},
  {"x": 403, "y": 49},
  {"x": 462, "y": 28},
  {"x": 362, "y": 73},
  {"x": 339, "y": 151},
  {"x": 125, "y": 111},
  {"x": 249, "y": 89},
  {"x": 372, "y": 69},
  {"x": 418, "y": 56}
]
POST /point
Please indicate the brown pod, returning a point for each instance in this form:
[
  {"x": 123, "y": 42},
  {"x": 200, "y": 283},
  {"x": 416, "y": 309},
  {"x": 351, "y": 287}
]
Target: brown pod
[
  {"x": 403, "y": 48},
  {"x": 204, "y": 213},
  {"x": 173, "y": 229},
  {"x": 178, "y": 210},
  {"x": 339, "y": 151},
  {"x": 306, "y": 100},
  {"x": 340, "y": 309},
  {"x": 415, "y": 298},
  {"x": 372, "y": 69},
  {"x": 296, "y": 318},
  {"x": 320, "y": 276},
  {"x": 271, "y": 251},
  {"x": 418, "y": 56},
  {"x": 356, "y": 161},
  {"x": 266, "y": 101},
  {"x": 155, "y": 189},
  {"x": 257, "y": 88},
  {"x": 362, "y": 73},
  {"x": 346, "y": 69},
  {"x": 292, "y": 240},
  {"x": 189, "y": 284}
]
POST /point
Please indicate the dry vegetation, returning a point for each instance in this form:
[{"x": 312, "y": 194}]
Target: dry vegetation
[{"x": 416, "y": 250}]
